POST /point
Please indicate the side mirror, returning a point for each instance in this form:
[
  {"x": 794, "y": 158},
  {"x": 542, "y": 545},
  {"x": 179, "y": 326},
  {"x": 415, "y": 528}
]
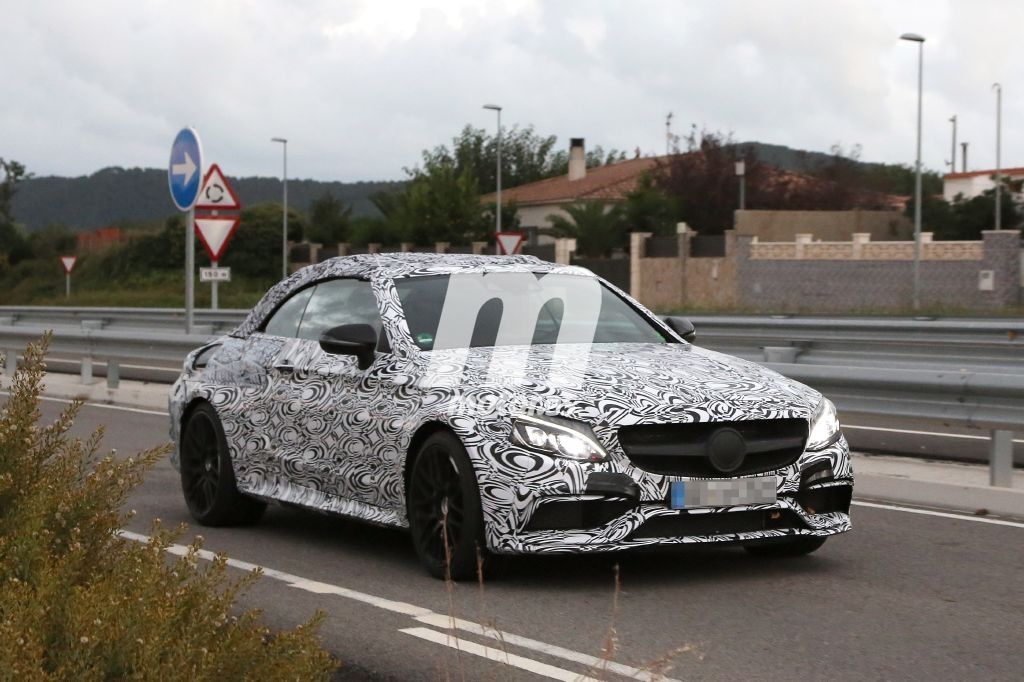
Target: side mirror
[
  {"x": 681, "y": 326},
  {"x": 359, "y": 340}
]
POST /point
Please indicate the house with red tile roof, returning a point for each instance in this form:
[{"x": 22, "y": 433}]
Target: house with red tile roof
[{"x": 609, "y": 184}]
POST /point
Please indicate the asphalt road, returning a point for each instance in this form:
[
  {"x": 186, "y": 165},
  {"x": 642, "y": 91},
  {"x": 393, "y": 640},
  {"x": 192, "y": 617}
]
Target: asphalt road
[{"x": 904, "y": 596}]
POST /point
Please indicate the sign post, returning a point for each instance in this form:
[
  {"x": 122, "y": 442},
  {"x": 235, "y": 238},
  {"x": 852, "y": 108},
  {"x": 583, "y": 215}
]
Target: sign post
[
  {"x": 69, "y": 264},
  {"x": 184, "y": 171},
  {"x": 215, "y": 231}
]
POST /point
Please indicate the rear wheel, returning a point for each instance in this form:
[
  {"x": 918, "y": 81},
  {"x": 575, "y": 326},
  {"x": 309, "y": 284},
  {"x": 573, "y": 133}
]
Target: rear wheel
[
  {"x": 207, "y": 477},
  {"x": 443, "y": 503},
  {"x": 782, "y": 547}
]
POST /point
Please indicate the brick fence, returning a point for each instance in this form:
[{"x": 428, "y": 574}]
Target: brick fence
[{"x": 808, "y": 276}]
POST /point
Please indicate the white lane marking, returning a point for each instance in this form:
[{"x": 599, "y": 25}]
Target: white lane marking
[
  {"x": 422, "y": 615},
  {"x": 943, "y": 515},
  {"x": 593, "y": 662},
  {"x": 86, "y": 403},
  {"x": 921, "y": 433},
  {"x": 513, "y": 660}
]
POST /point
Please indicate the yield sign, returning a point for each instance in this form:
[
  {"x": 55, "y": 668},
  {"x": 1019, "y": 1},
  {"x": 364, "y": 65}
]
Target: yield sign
[
  {"x": 215, "y": 233},
  {"x": 217, "y": 194},
  {"x": 509, "y": 242},
  {"x": 69, "y": 263}
]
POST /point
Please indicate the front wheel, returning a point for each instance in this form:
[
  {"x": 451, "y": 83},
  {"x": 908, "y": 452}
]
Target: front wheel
[
  {"x": 207, "y": 477},
  {"x": 782, "y": 547},
  {"x": 443, "y": 504}
]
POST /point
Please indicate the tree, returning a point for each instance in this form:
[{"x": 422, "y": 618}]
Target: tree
[
  {"x": 13, "y": 245},
  {"x": 329, "y": 220},
  {"x": 255, "y": 250},
  {"x": 597, "y": 227},
  {"x": 703, "y": 183},
  {"x": 648, "y": 209},
  {"x": 440, "y": 203},
  {"x": 965, "y": 219}
]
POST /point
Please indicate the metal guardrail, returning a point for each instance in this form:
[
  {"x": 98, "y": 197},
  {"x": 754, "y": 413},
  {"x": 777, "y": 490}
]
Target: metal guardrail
[
  {"x": 160, "y": 354},
  {"x": 170, "y": 319},
  {"x": 990, "y": 401},
  {"x": 967, "y": 371},
  {"x": 993, "y": 345}
]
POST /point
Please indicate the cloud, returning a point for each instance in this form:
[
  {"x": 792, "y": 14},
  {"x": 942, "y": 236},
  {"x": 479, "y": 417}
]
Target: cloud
[{"x": 360, "y": 88}]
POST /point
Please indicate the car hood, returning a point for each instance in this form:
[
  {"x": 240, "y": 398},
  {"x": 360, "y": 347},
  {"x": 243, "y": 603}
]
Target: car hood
[{"x": 615, "y": 384}]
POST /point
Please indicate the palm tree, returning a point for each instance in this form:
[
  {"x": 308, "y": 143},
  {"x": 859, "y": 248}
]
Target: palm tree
[{"x": 597, "y": 227}]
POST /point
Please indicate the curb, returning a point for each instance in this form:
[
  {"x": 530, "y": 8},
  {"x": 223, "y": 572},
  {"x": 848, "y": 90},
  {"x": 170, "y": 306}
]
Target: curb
[{"x": 965, "y": 498}]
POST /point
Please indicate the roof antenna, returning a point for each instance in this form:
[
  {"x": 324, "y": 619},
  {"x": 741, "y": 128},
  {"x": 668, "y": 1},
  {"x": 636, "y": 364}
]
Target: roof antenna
[{"x": 668, "y": 133}]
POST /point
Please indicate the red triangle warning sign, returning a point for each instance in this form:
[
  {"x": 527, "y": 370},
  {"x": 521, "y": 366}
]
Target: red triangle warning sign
[
  {"x": 217, "y": 194},
  {"x": 69, "y": 263},
  {"x": 509, "y": 242},
  {"x": 215, "y": 233}
]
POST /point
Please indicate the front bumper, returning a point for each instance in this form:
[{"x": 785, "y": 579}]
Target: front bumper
[{"x": 565, "y": 512}]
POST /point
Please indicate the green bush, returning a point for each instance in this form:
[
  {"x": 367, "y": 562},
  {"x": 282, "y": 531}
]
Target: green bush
[{"x": 79, "y": 602}]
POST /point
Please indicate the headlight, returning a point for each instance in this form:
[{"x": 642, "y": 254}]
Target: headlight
[
  {"x": 572, "y": 440},
  {"x": 824, "y": 426}
]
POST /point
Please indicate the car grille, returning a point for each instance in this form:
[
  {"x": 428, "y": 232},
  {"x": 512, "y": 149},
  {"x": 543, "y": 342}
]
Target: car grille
[
  {"x": 725, "y": 523},
  {"x": 683, "y": 449}
]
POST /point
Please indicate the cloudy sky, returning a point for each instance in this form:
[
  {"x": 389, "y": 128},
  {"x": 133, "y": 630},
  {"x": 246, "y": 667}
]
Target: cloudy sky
[{"x": 359, "y": 88}]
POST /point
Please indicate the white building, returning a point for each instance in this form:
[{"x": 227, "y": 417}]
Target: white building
[{"x": 974, "y": 183}]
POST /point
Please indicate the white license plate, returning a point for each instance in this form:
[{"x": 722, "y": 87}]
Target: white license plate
[{"x": 728, "y": 492}]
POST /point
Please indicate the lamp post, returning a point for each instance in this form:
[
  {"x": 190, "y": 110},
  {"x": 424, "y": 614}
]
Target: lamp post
[
  {"x": 284, "y": 220},
  {"x": 741, "y": 171},
  {"x": 999, "y": 131},
  {"x": 915, "y": 38},
  {"x": 497, "y": 212}
]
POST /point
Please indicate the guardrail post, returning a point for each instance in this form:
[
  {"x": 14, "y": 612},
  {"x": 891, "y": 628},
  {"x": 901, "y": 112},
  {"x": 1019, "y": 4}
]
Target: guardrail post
[
  {"x": 10, "y": 362},
  {"x": 113, "y": 373},
  {"x": 1000, "y": 459},
  {"x": 86, "y": 370}
]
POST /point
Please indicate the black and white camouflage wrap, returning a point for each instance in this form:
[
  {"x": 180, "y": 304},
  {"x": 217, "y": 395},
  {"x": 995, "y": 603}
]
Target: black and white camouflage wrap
[{"x": 335, "y": 438}]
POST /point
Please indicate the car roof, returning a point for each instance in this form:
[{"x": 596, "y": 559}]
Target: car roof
[{"x": 393, "y": 265}]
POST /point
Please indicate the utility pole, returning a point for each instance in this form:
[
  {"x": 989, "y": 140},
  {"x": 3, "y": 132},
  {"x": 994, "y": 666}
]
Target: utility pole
[
  {"x": 963, "y": 156},
  {"x": 952, "y": 155},
  {"x": 999, "y": 176}
]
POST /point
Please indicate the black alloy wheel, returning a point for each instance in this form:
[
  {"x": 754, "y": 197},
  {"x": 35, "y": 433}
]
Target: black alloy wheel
[
  {"x": 444, "y": 508},
  {"x": 207, "y": 477}
]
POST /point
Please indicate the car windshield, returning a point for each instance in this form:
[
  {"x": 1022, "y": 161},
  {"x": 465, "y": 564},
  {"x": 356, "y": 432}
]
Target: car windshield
[{"x": 518, "y": 308}]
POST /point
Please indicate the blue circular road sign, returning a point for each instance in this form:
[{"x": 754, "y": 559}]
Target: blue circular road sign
[{"x": 185, "y": 169}]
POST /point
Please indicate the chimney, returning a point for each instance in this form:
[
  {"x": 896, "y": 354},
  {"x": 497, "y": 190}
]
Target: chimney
[{"x": 577, "y": 159}]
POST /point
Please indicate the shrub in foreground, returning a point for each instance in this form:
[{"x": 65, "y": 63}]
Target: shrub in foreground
[{"x": 79, "y": 602}]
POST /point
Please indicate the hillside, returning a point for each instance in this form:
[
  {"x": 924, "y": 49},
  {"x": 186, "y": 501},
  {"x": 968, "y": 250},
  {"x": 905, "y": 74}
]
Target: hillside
[{"x": 114, "y": 195}]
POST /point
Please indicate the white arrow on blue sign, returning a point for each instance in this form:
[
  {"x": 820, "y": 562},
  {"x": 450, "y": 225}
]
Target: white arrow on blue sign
[{"x": 185, "y": 169}]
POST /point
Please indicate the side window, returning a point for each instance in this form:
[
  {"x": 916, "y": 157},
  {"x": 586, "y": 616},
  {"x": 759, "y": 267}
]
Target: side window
[
  {"x": 337, "y": 302},
  {"x": 285, "y": 320}
]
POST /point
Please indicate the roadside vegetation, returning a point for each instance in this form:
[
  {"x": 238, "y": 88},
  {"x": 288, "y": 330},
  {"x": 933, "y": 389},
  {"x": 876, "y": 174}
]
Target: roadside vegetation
[{"x": 79, "y": 602}]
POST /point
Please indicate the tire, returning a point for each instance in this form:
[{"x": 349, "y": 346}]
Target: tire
[
  {"x": 207, "y": 477},
  {"x": 443, "y": 506},
  {"x": 783, "y": 547}
]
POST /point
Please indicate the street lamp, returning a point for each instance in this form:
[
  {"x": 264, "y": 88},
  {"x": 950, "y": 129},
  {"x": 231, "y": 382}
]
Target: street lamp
[
  {"x": 915, "y": 38},
  {"x": 999, "y": 130},
  {"x": 741, "y": 171},
  {"x": 497, "y": 213},
  {"x": 284, "y": 220}
]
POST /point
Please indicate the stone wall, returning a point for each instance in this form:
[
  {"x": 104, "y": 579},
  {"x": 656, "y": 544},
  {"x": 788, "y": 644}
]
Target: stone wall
[
  {"x": 950, "y": 273},
  {"x": 828, "y": 277}
]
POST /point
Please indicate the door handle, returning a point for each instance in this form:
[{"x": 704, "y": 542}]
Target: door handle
[{"x": 284, "y": 368}]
